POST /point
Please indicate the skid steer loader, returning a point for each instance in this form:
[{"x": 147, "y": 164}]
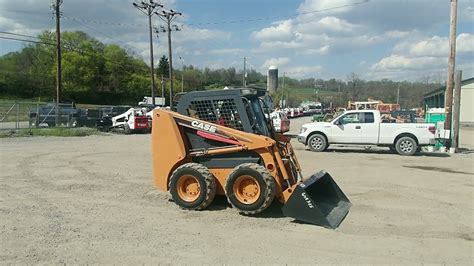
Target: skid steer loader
[{"x": 222, "y": 142}]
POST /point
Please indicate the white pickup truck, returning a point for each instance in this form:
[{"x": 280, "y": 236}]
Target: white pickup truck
[{"x": 365, "y": 127}]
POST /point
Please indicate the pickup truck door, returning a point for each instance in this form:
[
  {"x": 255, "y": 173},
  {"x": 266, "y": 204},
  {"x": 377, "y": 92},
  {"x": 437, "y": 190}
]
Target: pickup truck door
[
  {"x": 347, "y": 129},
  {"x": 369, "y": 128}
]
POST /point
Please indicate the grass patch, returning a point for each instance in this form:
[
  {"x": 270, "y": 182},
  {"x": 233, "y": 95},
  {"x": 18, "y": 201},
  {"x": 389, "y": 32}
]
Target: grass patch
[{"x": 50, "y": 132}]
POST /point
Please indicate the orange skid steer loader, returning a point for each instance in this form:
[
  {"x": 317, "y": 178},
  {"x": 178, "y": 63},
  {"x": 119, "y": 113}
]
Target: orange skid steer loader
[{"x": 222, "y": 142}]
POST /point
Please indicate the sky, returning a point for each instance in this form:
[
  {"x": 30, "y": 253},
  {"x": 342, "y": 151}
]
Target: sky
[{"x": 376, "y": 39}]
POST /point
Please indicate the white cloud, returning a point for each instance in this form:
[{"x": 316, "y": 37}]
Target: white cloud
[
  {"x": 279, "y": 62},
  {"x": 327, "y": 24},
  {"x": 398, "y": 62},
  {"x": 303, "y": 71},
  {"x": 317, "y": 51},
  {"x": 435, "y": 46},
  {"x": 227, "y": 51},
  {"x": 465, "y": 43},
  {"x": 280, "y": 31},
  {"x": 277, "y": 45},
  {"x": 313, "y": 34},
  {"x": 411, "y": 57},
  {"x": 328, "y": 5},
  {"x": 190, "y": 34}
]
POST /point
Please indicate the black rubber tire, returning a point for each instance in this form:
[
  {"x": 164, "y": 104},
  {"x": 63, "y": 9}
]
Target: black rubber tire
[
  {"x": 126, "y": 129},
  {"x": 34, "y": 121},
  {"x": 206, "y": 181},
  {"x": 265, "y": 181},
  {"x": 406, "y": 146},
  {"x": 71, "y": 123},
  {"x": 103, "y": 128},
  {"x": 317, "y": 143}
]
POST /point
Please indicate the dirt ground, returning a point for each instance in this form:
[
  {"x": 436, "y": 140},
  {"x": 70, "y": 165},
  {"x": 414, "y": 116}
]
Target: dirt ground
[{"x": 91, "y": 200}]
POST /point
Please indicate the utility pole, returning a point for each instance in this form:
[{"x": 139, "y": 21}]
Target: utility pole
[
  {"x": 283, "y": 90},
  {"x": 182, "y": 74},
  {"x": 339, "y": 93},
  {"x": 162, "y": 87},
  {"x": 398, "y": 93},
  {"x": 147, "y": 9},
  {"x": 456, "y": 109},
  {"x": 168, "y": 17},
  {"x": 244, "y": 74},
  {"x": 182, "y": 81},
  {"x": 448, "y": 103},
  {"x": 57, "y": 13}
]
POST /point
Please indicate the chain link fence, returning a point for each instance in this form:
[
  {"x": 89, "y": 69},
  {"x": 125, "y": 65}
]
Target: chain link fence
[{"x": 23, "y": 115}]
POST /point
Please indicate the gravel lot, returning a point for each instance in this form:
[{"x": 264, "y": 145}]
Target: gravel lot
[{"x": 91, "y": 200}]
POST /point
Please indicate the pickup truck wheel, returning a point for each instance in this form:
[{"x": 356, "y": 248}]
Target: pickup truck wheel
[
  {"x": 406, "y": 146},
  {"x": 317, "y": 143}
]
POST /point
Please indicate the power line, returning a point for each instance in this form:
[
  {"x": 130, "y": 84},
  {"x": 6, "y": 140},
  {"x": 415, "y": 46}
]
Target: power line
[
  {"x": 25, "y": 11},
  {"x": 18, "y": 34},
  {"x": 110, "y": 23},
  {"x": 90, "y": 28},
  {"x": 121, "y": 24},
  {"x": 23, "y": 40},
  {"x": 277, "y": 17},
  {"x": 40, "y": 42}
]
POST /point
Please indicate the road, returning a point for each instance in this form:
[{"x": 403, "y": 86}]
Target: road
[{"x": 91, "y": 200}]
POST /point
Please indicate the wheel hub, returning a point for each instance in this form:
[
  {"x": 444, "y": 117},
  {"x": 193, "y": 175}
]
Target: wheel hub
[
  {"x": 406, "y": 146},
  {"x": 316, "y": 143},
  {"x": 247, "y": 189},
  {"x": 188, "y": 188}
]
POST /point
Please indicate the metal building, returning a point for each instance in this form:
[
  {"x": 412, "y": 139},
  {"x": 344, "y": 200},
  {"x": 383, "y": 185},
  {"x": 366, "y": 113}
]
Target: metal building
[
  {"x": 272, "y": 79},
  {"x": 435, "y": 99}
]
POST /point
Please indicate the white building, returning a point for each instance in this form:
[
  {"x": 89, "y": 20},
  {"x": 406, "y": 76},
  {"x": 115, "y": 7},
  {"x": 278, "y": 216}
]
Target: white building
[{"x": 435, "y": 99}]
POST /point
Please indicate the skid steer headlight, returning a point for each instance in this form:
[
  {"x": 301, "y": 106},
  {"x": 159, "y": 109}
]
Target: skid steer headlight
[{"x": 303, "y": 129}]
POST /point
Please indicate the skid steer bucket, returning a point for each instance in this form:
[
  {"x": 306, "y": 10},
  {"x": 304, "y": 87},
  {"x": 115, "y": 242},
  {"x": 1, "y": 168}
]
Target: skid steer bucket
[{"x": 318, "y": 200}]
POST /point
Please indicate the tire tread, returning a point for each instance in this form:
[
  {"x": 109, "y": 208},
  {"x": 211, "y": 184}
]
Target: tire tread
[
  {"x": 269, "y": 183},
  {"x": 208, "y": 179}
]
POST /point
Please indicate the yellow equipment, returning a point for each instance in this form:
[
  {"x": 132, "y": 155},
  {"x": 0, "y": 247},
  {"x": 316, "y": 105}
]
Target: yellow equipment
[{"x": 222, "y": 142}]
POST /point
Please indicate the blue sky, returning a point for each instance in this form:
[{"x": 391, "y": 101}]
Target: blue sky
[{"x": 396, "y": 39}]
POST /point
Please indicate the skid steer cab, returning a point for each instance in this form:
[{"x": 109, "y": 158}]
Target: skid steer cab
[{"x": 222, "y": 142}]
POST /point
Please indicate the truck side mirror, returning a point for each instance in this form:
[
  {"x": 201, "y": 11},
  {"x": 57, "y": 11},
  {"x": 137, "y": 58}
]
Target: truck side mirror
[{"x": 337, "y": 122}]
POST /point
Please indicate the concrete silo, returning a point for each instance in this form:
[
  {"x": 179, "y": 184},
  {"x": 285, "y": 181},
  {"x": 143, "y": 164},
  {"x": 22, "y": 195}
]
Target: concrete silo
[{"x": 272, "y": 79}]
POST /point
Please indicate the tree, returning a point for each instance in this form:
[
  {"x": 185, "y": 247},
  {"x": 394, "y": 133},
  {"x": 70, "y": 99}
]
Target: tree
[
  {"x": 353, "y": 82},
  {"x": 163, "y": 66}
]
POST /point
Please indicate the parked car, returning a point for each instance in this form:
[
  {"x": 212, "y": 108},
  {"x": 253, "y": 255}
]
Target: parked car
[
  {"x": 365, "y": 127},
  {"x": 45, "y": 115},
  {"x": 85, "y": 118},
  {"x": 112, "y": 111}
]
